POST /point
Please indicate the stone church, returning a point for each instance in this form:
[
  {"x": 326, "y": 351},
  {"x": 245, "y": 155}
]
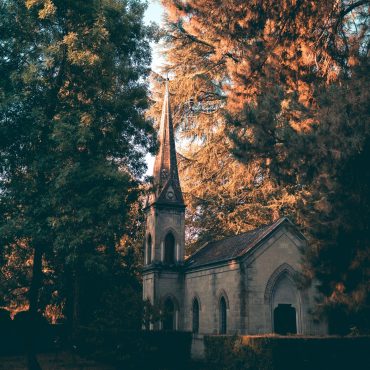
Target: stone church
[{"x": 244, "y": 284}]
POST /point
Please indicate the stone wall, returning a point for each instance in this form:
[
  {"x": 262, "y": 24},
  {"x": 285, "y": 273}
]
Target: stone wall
[
  {"x": 278, "y": 258},
  {"x": 161, "y": 221},
  {"x": 250, "y": 288},
  {"x": 208, "y": 285}
]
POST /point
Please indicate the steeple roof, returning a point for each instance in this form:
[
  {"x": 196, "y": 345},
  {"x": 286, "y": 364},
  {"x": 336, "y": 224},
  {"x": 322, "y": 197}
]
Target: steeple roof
[{"x": 166, "y": 176}]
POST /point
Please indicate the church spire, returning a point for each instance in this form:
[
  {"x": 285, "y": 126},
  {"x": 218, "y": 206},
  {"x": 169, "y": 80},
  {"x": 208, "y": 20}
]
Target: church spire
[{"x": 166, "y": 176}]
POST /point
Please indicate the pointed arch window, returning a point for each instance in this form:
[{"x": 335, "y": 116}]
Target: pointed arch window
[
  {"x": 223, "y": 316},
  {"x": 169, "y": 249},
  {"x": 195, "y": 316},
  {"x": 169, "y": 315},
  {"x": 149, "y": 250}
]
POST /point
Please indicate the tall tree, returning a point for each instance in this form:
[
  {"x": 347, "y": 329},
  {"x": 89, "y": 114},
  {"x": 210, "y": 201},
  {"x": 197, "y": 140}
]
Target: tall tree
[
  {"x": 73, "y": 134},
  {"x": 223, "y": 195},
  {"x": 292, "y": 79}
]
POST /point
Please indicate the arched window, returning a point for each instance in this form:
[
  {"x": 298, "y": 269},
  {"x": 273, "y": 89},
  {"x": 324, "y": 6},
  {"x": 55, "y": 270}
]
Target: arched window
[
  {"x": 195, "y": 316},
  {"x": 169, "y": 249},
  {"x": 223, "y": 317},
  {"x": 169, "y": 315},
  {"x": 149, "y": 250}
]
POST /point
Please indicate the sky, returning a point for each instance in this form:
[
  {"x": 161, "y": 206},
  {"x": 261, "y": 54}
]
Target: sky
[{"x": 154, "y": 13}]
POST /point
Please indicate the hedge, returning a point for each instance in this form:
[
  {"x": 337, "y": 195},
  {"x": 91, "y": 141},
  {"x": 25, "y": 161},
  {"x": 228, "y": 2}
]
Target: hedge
[
  {"x": 136, "y": 349},
  {"x": 284, "y": 353},
  {"x": 125, "y": 349}
]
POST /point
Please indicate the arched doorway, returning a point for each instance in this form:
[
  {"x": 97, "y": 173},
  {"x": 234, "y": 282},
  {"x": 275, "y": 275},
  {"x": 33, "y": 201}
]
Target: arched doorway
[
  {"x": 285, "y": 305},
  {"x": 169, "y": 316},
  {"x": 169, "y": 249},
  {"x": 285, "y": 319}
]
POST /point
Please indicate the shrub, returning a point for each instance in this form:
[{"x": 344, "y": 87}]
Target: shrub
[
  {"x": 136, "y": 349},
  {"x": 285, "y": 353}
]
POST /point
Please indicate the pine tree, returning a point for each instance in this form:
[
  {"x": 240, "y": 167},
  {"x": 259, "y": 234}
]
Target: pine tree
[{"x": 290, "y": 79}]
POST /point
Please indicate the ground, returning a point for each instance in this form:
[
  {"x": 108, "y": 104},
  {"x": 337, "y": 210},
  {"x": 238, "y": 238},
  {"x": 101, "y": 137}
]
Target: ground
[{"x": 52, "y": 361}]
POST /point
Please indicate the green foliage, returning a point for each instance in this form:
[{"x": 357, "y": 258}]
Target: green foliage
[
  {"x": 151, "y": 314},
  {"x": 225, "y": 352},
  {"x": 136, "y": 349},
  {"x": 111, "y": 297},
  {"x": 73, "y": 136}
]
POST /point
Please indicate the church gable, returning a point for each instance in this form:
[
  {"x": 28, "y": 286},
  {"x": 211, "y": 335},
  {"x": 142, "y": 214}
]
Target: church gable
[
  {"x": 238, "y": 246},
  {"x": 283, "y": 242},
  {"x": 171, "y": 193}
]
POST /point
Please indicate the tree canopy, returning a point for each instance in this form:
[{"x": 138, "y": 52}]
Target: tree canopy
[
  {"x": 273, "y": 103},
  {"x": 73, "y": 139}
]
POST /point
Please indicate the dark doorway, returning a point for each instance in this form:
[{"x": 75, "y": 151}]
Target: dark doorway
[
  {"x": 169, "y": 315},
  {"x": 285, "y": 321}
]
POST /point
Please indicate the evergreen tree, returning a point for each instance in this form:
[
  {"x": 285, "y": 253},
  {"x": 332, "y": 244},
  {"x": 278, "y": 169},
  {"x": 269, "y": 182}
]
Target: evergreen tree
[
  {"x": 73, "y": 134},
  {"x": 290, "y": 79}
]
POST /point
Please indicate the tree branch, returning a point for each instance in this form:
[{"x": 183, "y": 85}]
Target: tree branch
[{"x": 344, "y": 12}]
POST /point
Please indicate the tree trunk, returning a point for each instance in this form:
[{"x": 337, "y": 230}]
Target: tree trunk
[
  {"x": 35, "y": 282},
  {"x": 72, "y": 311},
  {"x": 76, "y": 301},
  {"x": 32, "y": 333}
]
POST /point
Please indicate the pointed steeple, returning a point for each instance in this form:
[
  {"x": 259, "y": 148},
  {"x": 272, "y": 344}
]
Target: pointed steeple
[{"x": 166, "y": 176}]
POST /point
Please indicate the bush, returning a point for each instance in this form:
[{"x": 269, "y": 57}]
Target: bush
[
  {"x": 17, "y": 334},
  {"x": 284, "y": 353},
  {"x": 7, "y": 339},
  {"x": 136, "y": 349},
  {"x": 33, "y": 329},
  {"x": 222, "y": 351}
]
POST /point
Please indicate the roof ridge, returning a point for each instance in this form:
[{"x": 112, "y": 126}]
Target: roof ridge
[
  {"x": 198, "y": 250},
  {"x": 215, "y": 241},
  {"x": 234, "y": 246},
  {"x": 203, "y": 246},
  {"x": 244, "y": 232}
]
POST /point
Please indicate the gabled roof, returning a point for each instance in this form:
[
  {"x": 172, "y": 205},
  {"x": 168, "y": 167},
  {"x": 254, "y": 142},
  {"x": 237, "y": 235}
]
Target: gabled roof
[{"x": 232, "y": 247}]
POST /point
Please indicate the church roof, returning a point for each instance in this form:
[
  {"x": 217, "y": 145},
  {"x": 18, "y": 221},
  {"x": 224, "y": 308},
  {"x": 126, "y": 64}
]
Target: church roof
[
  {"x": 232, "y": 247},
  {"x": 166, "y": 176}
]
